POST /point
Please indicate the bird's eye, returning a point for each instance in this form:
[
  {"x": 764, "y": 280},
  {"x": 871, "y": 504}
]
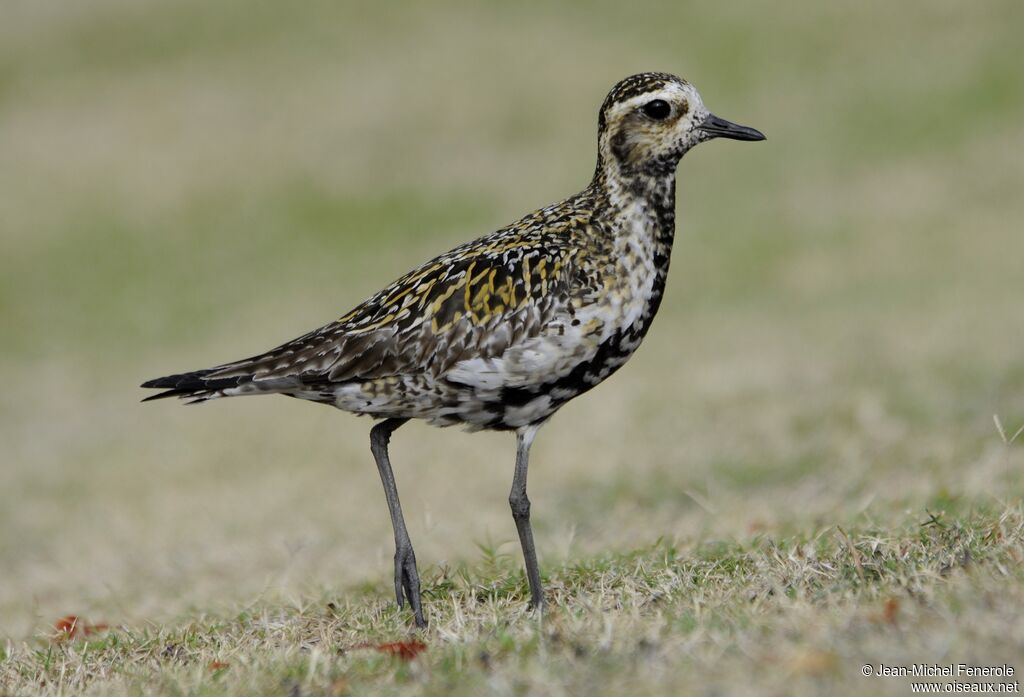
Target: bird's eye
[{"x": 657, "y": 109}]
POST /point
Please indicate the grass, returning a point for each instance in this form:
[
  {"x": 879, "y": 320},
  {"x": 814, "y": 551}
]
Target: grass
[
  {"x": 798, "y": 475},
  {"x": 783, "y": 613}
]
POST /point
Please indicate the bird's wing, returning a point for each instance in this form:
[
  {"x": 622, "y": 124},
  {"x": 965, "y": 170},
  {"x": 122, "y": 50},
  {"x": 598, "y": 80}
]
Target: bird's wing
[{"x": 473, "y": 302}]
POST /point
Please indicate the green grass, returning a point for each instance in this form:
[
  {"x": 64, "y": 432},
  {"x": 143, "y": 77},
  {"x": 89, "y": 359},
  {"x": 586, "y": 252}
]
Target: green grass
[{"x": 797, "y": 475}]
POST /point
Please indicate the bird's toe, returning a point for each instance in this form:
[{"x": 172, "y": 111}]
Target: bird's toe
[{"x": 407, "y": 583}]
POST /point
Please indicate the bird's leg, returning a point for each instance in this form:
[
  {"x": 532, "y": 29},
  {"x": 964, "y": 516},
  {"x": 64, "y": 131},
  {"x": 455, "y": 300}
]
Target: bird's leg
[
  {"x": 406, "y": 578},
  {"x": 520, "y": 504}
]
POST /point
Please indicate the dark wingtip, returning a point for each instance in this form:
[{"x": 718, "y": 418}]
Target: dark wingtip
[
  {"x": 193, "y": 385},
  {"x": 168, "y": 381},
  {"x": 180, "y": 385},
  {"x": 162, "y": 395}
]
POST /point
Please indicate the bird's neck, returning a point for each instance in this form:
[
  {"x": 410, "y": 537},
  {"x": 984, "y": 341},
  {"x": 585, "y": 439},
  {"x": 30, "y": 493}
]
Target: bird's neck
[
  {"x": 643, "y": 202},
  {"x": 641, "y": 208}
]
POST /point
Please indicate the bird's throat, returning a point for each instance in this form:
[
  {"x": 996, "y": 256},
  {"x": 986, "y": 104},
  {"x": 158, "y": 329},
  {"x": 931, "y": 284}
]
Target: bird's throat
[{"x": 643, "y": 206}]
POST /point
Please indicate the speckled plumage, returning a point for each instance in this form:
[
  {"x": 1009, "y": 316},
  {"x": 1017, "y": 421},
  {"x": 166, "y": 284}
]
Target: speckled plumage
[
  {"x": 497, "y": 333},
  {"x": 502, "y": 331}
]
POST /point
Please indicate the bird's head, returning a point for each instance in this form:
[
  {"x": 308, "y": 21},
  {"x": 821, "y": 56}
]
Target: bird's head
[{"x": 649, "y": 120}]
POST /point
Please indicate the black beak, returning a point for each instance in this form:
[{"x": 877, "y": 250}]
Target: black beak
[{"x": 714, "y": 127}]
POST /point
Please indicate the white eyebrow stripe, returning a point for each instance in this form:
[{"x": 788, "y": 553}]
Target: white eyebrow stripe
[{"x": 670, "y": 93}]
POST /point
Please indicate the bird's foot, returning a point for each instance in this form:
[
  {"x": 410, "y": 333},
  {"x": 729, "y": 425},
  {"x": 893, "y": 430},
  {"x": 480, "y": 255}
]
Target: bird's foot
[{"x": 407, "y": 582}]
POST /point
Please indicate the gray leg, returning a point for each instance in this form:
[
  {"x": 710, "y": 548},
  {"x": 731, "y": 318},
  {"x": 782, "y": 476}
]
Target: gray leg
[
  {"x": 406, "y": 578},
  {"x": 520, "y": 504}
]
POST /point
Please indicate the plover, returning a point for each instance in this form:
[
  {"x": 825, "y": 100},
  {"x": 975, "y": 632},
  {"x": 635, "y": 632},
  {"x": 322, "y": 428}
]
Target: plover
[{"x": 501, "y": 332}]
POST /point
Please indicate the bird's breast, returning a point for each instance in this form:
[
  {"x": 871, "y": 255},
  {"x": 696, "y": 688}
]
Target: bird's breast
[{"x": 638, "y": 271}]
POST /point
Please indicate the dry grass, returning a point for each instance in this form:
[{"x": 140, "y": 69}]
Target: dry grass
[
  {"x": 789, "y": 615},
  {"x": 184, "y": 183}
]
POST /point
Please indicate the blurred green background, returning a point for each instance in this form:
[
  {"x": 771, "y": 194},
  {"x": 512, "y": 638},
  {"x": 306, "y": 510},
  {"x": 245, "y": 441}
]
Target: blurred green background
[{"x": 185, "y": 183}]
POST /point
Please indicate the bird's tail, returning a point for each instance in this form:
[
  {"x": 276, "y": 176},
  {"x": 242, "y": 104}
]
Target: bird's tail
[
  {"x": 259, "y": 374},
  {"x": 197, "y": 386}
]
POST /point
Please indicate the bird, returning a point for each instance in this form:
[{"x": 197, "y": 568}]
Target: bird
[{"x": 501, "y": 332}]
